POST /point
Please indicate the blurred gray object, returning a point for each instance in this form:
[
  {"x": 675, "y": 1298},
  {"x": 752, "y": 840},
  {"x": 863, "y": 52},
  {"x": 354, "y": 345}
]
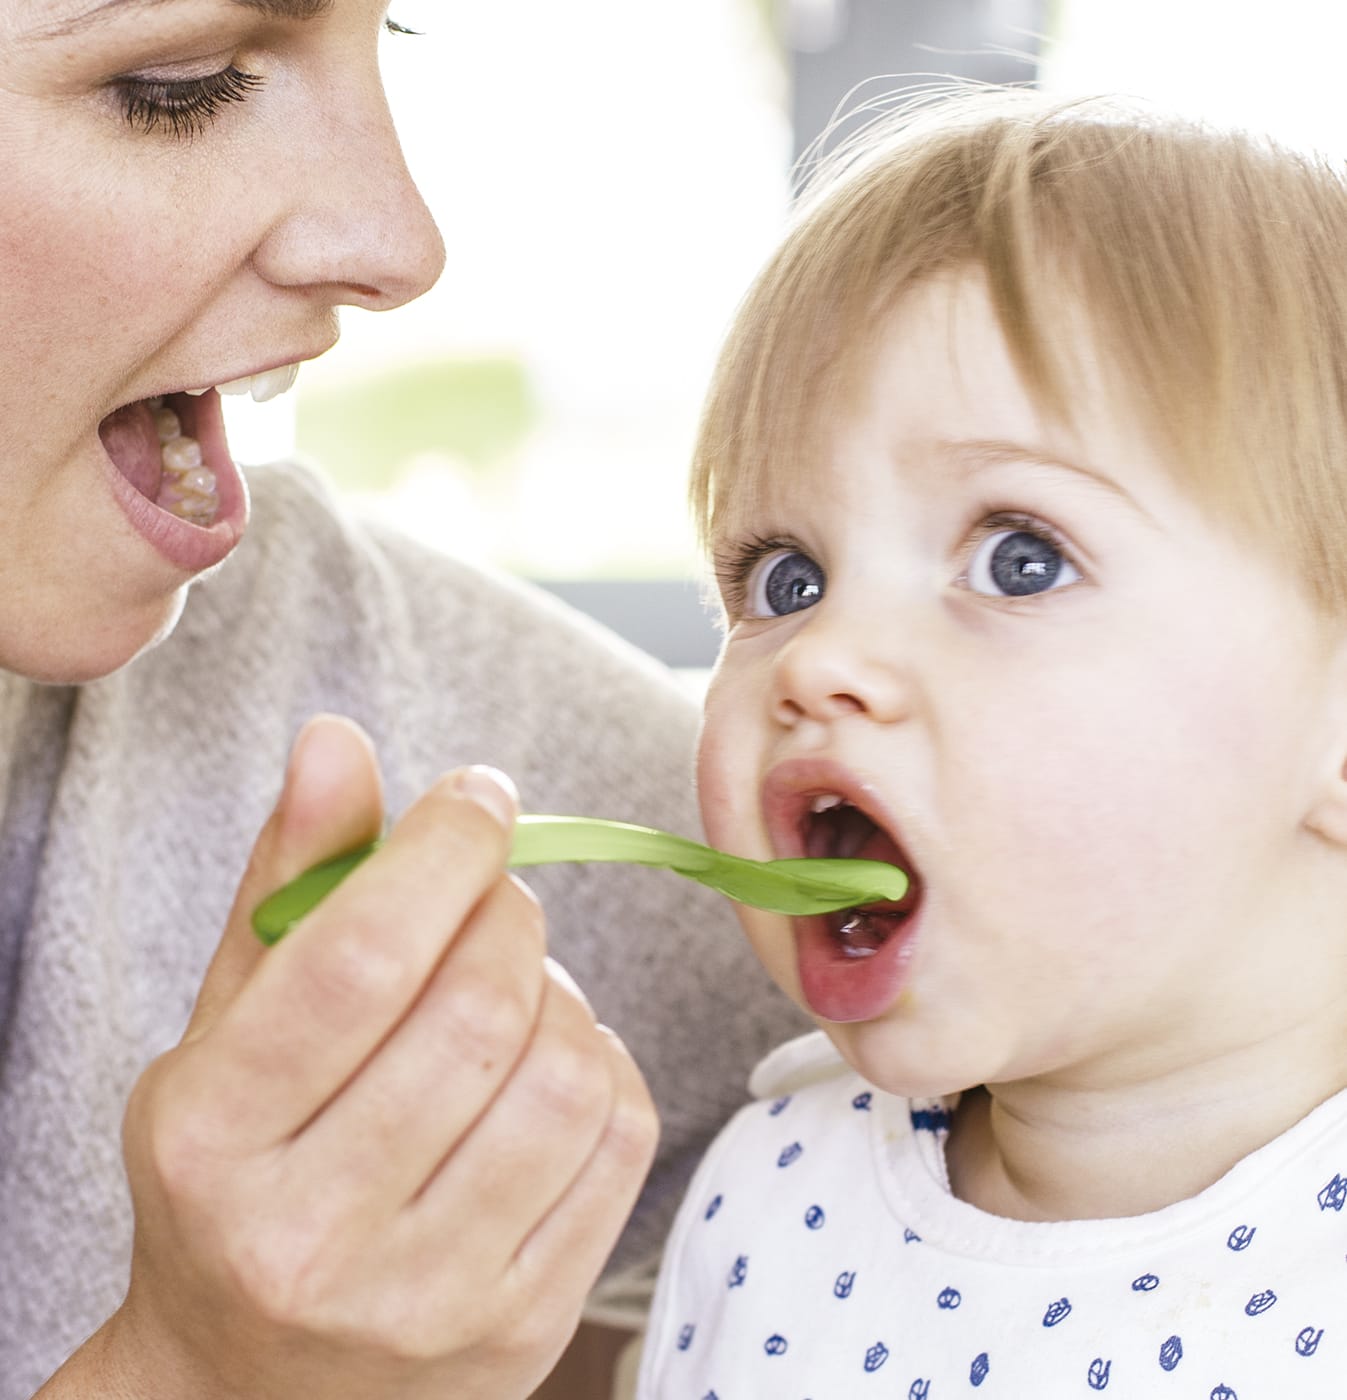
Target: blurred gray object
[
  {"x": 845, "y": 53},
  {"x": 666, "y": 617}
]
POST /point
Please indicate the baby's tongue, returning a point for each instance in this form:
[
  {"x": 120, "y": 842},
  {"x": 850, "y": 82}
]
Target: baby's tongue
[{"x": 132, "y": 441}]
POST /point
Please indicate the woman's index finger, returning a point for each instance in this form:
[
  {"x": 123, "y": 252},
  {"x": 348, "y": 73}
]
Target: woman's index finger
[{"x": 329, "y": 994}]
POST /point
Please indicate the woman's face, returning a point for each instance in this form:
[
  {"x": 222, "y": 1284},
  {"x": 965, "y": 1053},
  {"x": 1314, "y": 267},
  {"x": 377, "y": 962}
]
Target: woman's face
[{"x": 190, "y": 190}]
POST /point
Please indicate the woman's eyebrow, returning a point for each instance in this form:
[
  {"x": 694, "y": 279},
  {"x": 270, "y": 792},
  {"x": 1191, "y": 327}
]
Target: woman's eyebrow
[{"x": 109, "y": 10}]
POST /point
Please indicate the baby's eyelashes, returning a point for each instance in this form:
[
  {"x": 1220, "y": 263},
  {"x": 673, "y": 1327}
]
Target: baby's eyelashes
[{"x": 1017, "y": 556}]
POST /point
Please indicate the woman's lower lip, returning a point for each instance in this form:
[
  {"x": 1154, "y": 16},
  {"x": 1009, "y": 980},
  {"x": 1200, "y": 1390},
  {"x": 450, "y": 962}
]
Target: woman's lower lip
[
  {"x": 191, "y": 548},
  {"x": 839, "y": 986}
]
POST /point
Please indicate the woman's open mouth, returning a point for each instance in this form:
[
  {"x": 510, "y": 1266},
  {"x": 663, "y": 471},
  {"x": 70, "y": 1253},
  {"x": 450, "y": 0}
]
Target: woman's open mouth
[
  {"x": 174, "y": 477},
  {"x": 154, "y": 446},
  {"x": 161, "y": 445}
]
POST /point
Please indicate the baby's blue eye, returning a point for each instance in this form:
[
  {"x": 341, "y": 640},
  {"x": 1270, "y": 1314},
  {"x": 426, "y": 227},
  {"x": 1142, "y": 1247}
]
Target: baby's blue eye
[
  {"x": 1017, "y": 563},
  {"x": 784, "y": 582}
]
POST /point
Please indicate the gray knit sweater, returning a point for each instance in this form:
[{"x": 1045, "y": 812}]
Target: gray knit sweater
[{"x": 128, "y": 807}]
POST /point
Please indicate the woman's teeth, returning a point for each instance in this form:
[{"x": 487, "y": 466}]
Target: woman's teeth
[
  {"x": 188, "y": 488},
  {"x": 267, "y": 385}
]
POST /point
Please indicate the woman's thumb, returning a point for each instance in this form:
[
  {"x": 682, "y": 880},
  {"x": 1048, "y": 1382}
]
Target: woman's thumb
[{"x": 331, "y": 801}]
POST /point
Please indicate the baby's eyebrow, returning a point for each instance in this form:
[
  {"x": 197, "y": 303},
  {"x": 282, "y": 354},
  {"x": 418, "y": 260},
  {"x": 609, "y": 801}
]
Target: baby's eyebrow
[
  {"x": 979, "y": 454},
  {"x": 108, "y": 10}
]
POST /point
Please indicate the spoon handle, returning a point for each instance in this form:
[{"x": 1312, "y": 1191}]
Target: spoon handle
[{"x": 797, "y": 886}]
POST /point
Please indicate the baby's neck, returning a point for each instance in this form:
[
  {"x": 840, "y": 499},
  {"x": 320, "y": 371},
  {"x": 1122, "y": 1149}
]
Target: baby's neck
[{"x": 1044, "y": 1152}]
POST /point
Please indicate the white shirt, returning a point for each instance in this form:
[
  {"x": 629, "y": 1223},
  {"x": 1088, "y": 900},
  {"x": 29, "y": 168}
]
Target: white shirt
[{"x": 819, "y": 1255}]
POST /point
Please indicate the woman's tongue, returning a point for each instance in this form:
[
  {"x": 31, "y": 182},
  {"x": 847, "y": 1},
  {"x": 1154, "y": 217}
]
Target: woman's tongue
[{"x": 132, "y": 441}]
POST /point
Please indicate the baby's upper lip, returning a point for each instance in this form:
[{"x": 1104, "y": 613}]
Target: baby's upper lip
[
  {"x": 790, "y": 789},
  {"x": 790, "y": 796}
]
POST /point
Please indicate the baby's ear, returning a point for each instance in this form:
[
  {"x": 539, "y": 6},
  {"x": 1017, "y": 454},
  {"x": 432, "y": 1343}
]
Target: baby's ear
[{"x": 1327, "y": 814}]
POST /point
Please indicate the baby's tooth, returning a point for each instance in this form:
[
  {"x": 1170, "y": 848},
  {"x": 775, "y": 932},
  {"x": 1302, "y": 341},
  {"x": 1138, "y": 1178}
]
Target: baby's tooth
[
  {"x": 235, "y": 386},
  {"x": 273, "y": 382},
  {"x": 166, "y": 421}
]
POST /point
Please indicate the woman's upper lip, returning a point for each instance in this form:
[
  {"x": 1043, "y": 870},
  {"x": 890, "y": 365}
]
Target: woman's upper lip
[
  {"x": 790, "y": 788},
  {"x": 201, "y": 385}
]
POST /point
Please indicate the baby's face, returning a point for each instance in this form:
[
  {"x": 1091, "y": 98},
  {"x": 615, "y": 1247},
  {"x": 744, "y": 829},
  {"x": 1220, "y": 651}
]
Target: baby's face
[{"x": 1088, "y": 720}]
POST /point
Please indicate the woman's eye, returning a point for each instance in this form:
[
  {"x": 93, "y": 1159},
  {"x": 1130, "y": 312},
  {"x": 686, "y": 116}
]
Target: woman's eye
[
  {"x": 185, "y": 107},
  {"x": 1015, "y": 563},
  {"x": 784, "y": 582}
]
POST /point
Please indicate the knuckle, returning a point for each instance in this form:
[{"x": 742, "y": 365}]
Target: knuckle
[
  {"x": 292, "y": 1262},
  {"x": 484, "y": 1015},
  {"x": 465, "y": 826},
  {"x": 568, "y": 1078},
  {"x": 632, "y": 1133},
  {"x": 175, "y": 1142},
  {"x": 356, "y": 964},
  {"x": 541, "y": 1322},
  {"x": 277, "y": 1272}
]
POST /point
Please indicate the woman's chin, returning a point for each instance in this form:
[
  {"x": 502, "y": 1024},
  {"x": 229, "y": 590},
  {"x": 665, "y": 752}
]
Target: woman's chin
[{"x": 61, "y": 654}]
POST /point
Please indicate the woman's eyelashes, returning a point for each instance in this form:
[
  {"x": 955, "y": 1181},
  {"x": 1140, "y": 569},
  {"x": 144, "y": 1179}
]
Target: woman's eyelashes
[
  {"x": 1017, "y": 556},
  {"x": 186, "y": 106}
]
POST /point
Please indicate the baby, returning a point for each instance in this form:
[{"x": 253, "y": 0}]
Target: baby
[{"x": 1024, "y": 473}]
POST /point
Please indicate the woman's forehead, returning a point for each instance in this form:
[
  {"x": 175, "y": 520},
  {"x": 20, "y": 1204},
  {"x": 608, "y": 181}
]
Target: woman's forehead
[{"x": 57, "y": 18}]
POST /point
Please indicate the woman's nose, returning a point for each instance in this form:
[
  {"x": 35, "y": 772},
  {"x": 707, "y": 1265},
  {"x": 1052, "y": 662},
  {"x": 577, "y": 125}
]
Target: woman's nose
[
  {"x": 355, "y": 226},
  {"x": 840, "y": 663}
]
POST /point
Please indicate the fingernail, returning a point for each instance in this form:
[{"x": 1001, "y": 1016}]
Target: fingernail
[
  {"x": 491, "y": 789},
  {"x": 322, "y": 742}
]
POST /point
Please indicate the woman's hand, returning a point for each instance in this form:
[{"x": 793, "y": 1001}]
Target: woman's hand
[{"x": 392, "y": 1153}]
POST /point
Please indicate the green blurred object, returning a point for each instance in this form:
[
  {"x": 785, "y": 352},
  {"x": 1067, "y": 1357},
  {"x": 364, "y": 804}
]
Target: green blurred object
[
  {"x": 364, "y": 433},
  {"x": 801, "y": 885}
]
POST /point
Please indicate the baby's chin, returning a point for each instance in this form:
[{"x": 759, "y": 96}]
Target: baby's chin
[{"x": 891, "y": 1059}]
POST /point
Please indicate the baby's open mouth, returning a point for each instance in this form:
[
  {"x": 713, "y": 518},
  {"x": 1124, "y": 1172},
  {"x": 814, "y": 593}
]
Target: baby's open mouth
[{"x": 834, "y": 827}]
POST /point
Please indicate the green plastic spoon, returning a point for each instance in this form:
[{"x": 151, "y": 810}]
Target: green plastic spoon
[{"x": 803, "y": 885}]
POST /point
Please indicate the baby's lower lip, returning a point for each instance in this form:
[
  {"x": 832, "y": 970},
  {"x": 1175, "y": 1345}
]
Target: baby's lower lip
[
  {"x": 853, "y": 965},
  {"x": 861, "y": 933}
]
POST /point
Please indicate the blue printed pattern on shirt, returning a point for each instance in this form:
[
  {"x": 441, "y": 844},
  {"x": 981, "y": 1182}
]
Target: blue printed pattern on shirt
[{"x": 827, "y": 1291}]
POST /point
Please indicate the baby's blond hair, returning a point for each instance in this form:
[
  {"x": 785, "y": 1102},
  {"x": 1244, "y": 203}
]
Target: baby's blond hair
[{"x": 1210, "y": 268}]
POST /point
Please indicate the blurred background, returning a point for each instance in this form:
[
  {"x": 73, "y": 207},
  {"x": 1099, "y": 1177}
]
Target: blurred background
[{"x": 608, "y": 175}]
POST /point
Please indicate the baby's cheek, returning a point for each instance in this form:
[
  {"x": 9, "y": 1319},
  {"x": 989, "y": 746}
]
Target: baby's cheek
[{"x": 726, "y": 789}]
